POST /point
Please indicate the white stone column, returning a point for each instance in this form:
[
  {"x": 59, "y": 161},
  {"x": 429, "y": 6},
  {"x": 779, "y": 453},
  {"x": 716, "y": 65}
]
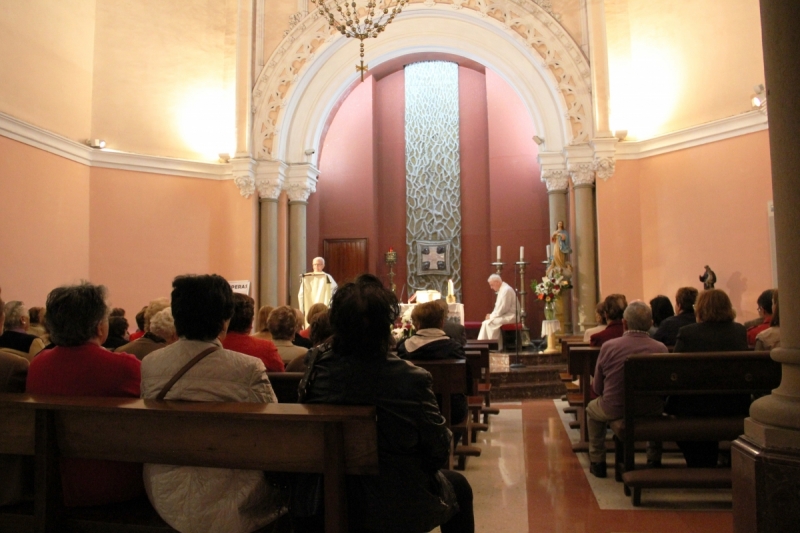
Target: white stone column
[
  {"x": 766, "y": 459},
  {"x": 598, "y": 59},
  {"x": 270, "y": 177},
  {"x": 581, "y": 170},
  {"x": 244, "y": 78},
  {"x": 301, "y": 181},
  {"x": 557, "y": 182}
]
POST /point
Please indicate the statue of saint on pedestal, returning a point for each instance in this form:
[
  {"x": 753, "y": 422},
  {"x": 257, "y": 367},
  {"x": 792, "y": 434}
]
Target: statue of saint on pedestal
[{"x": 559, "y": 250}]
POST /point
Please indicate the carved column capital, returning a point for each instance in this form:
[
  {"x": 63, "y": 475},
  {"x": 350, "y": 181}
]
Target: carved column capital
[
  {"x": 244, "y": 171},
  {"x": 301, "y": 182},
  {"x": 270, "y": 177},
  {"x": 582, "y": 174},
  {"x": 556, "y": 180},
  {"x": 605, "y": 148},
  {"x": 604, "y": 167}
]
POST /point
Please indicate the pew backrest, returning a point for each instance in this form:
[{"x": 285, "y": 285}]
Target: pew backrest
[{"x": 327, "y": 439}]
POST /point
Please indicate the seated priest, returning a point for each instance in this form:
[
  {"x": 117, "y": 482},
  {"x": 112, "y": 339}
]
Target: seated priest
[
  {"x": 316, "y": 286},
  {"x": 505, "y": 310}
]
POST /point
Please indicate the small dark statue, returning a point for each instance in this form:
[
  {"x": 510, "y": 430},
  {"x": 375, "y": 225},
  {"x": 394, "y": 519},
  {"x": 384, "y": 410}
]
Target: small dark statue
[{"x": 708, "y": 278}]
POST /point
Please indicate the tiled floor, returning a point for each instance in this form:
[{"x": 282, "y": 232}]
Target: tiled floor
[{"x": 528, "y": 479}]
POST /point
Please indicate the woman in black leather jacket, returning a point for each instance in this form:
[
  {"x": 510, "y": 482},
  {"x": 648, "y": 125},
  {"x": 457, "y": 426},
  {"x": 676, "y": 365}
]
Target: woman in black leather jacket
[{"x": 411, "y": 494}]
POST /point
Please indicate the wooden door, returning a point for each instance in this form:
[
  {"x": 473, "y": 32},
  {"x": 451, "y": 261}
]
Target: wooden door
[{"x": 345, "y": 259}]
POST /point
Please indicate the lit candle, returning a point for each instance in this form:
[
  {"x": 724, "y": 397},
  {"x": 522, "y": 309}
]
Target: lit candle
[
  {"x": 498, "y": 254},
  {"x": 547, "y": 251},
  {"x": 521, "y": 254},
  {"x": 450, "y": 287}
]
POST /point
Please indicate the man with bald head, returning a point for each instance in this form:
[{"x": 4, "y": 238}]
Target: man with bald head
[{"x": 505, "y": 310}]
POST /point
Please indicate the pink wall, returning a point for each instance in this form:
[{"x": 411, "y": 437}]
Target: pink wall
[
  {"x": 502, "y": 200},
  {"x": 475, "y": 216},
  {"x": 44, "y": 203},
  {"x": 519, "y": 204},
  {"x": 390, "y": 106},
  {"x": 147, "y": 228},
  {"x": 345, "y": 197},
  {"x": 702, "y": 205}
]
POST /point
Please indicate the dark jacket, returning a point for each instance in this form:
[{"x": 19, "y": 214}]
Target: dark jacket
[
  {"x": 668, "y": 330},
  {"x": 456, "y": 331},
  {"x": 712, "y": 337},
  {"x": 409, "y": 494},
  {"x": 445, "y": 348}
]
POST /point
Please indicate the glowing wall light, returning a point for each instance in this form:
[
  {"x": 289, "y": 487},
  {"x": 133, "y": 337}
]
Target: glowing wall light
[
  {"x": 645, "y": 90},
  {"x": 206, "y": 119}
]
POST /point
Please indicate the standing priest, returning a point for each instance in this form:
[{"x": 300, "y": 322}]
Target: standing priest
[
  {"x": 316, "y": 287},
  {"x": 505, "y": 309}
]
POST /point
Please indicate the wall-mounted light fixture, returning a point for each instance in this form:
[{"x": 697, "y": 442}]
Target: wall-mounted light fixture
[
  {"x": 759, "y": 99},
  {"x": 538, "y": 140},
  {"x": 310, "y": 151},
  {"x": 96, "y": 143},
  {"x": 224, "y": 158},
  {"x": 621, "y": 134}
]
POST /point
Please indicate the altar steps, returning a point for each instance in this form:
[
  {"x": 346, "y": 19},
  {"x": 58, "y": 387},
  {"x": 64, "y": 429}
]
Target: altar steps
[{"x": 538, "y": 379}]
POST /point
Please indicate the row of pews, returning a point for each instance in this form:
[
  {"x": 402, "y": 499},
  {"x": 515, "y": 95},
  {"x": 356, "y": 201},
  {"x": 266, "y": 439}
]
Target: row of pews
[
  {"x": 332, "y": 440},
  {"x": 450, "y": 377},
  {"x": 685, "y": 374}
]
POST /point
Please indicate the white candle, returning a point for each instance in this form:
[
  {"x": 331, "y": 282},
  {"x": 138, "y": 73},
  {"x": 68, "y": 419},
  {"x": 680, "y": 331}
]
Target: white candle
[
  {"x": 450, "y": 287},
  {"x": 521, "y": 254},
  {"x": 498, "y": 254},
  {"x": 547, "y": 251}
]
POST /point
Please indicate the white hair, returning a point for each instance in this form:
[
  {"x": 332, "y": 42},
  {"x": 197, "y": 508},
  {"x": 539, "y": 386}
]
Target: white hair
[
  {"x": 494, "y": 277},
  {"x": 638, "y": 316},
  {"x": 320, "y": 258},
  {"x": 162, "y": 324},
  {"x": 15, "y": 311}
]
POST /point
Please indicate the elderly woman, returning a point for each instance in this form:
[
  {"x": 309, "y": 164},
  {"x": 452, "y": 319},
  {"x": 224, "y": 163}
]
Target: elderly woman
[
  {"x": 194, "y": 498},
  {"x": 150, "y": 341},
  {"x": 600, "y": 317},
  {"x": 411, "y": 493},
  {"x": 282, "y": 324},
  {"x": 239, "y": 339},
  {"x": 614, "y": 306},
  {"x": 429, "y": 343},
  {"x": 16, "y": 336},
  {"x": 262, "y": 331},
  {"x": 715, "y": 331},
  {"x": 77, "y": 318}
]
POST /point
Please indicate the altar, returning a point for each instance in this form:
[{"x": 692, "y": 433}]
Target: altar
[{"x": 455, "y": 311}]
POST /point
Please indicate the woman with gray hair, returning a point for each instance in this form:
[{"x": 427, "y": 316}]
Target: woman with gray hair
[
  {"x": 77, "y": 317},
  {"x": 16, "y": 336}
]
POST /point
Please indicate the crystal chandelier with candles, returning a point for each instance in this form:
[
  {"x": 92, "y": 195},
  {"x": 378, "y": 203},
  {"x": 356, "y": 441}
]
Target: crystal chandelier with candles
[{"x": 360, "y": 22}]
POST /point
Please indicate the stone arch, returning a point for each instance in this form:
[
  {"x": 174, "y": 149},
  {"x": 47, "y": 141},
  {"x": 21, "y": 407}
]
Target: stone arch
[{"x": 312, "y": 70}]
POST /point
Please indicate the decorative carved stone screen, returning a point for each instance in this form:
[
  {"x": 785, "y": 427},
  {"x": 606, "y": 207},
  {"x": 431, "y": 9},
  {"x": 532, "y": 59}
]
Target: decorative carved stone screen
[{"x": 433, "y": 176}]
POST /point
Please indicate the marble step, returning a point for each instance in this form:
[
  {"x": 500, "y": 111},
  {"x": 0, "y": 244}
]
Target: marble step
[
  {"x": 524, "y": 390},
  {"x": 529, "y": 374}
]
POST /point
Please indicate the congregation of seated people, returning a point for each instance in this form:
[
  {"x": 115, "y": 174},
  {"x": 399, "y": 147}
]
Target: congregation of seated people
[
  {"x": 698, "y": 322},
  {"x": 206, "y": 328}
]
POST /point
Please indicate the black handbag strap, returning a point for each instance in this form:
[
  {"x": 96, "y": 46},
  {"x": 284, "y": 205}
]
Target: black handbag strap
[{"x": 182, "y": 371}]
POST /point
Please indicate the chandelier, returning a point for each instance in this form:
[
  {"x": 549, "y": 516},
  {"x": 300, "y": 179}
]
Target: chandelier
[{"x": 360, "y": 22}]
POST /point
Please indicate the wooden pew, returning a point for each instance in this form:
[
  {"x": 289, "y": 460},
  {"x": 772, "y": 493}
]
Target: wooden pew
[
  {"x": 450, "y": 377},
  {"x": 475, "y": 344},
  {"x": 327, "y": 439},
  {"x": 686, "y": 374},
  {"x": 581, "y": 362},
  {"x": 484, "y": 377},
  {"x": 478, "y": 361},
  {"x": 285, "y": 385}
]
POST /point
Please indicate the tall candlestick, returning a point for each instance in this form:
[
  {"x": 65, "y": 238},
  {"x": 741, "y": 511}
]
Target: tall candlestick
[
  {"x": 521, "y": 254},
  {"x": 498, "y": 254},
  {"x": 547, "y": 248}
]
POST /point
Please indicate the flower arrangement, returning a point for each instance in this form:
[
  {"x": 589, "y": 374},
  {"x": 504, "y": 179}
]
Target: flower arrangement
[{"x": 549, "y": 290}]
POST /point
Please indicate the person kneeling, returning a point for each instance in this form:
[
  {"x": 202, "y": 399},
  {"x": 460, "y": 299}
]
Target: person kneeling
[{"x": 609, "y": 384}]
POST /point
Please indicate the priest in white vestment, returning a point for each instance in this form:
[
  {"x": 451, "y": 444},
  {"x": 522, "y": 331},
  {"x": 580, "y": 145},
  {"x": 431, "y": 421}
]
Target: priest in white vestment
[
  {"x": 505, "y": 310},
  {"x": 316, "y": 287}
]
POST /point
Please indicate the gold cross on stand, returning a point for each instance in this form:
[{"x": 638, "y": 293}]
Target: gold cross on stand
[{"x": 362, "y": 69}]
